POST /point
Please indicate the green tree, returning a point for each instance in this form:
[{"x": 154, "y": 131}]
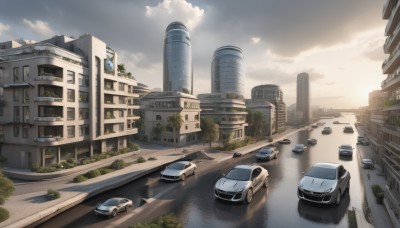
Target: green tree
[
  {"x": 158, "y": 130},
  {"x": 259, "y": 123},
  {"x": 6, "y": 188},
  {"x": 250, "y": 122},
  {"x": 121, "y": 68},
  {"x": 209, "y": 130},
  {"x": 225, "y": 138},
  {"x": 175, "y": 122}
]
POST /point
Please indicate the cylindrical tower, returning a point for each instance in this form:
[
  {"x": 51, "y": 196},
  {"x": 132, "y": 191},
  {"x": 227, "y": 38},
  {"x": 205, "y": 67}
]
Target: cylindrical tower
[
  {"x": 227, "y": 70},
  {"x": 178, "y": 74}
]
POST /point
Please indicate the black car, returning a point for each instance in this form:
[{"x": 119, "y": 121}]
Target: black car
[
  {"x": 348, "y": 129},
  {"x": 285, "y": 141}
]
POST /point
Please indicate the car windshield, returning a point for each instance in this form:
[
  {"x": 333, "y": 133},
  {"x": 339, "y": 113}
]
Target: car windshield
[
  {"x": 298, "y": 146},
  {"x": 111, "y": 202},
  {"x": 322, "y": 173},
  {"x": 346, "y": 147},
  {"x": 177, "y": 166},
  {"x": 265, "y": 151},
  {"x": 239, "y": 174}
]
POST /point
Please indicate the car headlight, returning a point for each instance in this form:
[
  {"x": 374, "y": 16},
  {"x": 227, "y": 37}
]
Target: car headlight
[
  {"x": 239, "y": 190},
  {"x": 328, "y": 190}
]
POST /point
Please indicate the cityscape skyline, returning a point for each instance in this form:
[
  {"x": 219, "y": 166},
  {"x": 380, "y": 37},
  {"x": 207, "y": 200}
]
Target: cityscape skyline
[{"x": 277, "y": 46}]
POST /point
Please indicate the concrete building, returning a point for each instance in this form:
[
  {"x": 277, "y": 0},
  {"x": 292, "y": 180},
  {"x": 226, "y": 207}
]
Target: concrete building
[
  {"x": 391, "y": 109},
  {"x": 228, "y": 110},
  {"x": 227, "y": 71},
  {"x": 268, "y": 111},
  {"x": 62, "y": 98},
  {"x": 178, "y": 75},
  {"x": 157, "y": 107},
  {"x": 303, "y": 104},
  {"x": 273, "y": 94}
]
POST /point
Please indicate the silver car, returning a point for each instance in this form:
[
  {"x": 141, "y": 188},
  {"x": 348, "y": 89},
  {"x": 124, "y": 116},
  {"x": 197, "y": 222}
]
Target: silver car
[
  {"x": 178, "y": 171},
  {"x": 324, "y": 183},
  {"x": 346, "y": 150},
  {"x": 267, "y": 153},
  {"x": 241, "y": 183},
  {"x": 298, "y": 148},
  {"x": 112, "y": 206}
]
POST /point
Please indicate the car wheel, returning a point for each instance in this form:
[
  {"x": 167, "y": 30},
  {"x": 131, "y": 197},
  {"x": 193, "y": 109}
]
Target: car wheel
[
  {"x": 276, "y": 156},
  {"x": 338, "y": 197},
  {"x": 127, "y": 207},
  {"x": 348, "y": 187},
  {"x": 266, "y": 181},
  {"x": 249, "y": 195},
  {"x": 114, "y": 213},
  {"x": 194, "y": 171},
  {"x": 183, "y": 177}
]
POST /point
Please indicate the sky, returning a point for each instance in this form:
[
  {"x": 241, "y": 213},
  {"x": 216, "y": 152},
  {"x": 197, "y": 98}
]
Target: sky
[{"x": 339, "y": 43}]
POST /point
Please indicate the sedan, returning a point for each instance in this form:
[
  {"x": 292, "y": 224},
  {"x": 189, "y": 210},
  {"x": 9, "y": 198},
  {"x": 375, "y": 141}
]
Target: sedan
[
  {"x": 112, "y": 206},
  {"x": 346, "y": 150},
  {"x": 324, "y": 183},
  {"x": 285, "y": 141},
  {"x": 178, "y": 171},
  {"x": 367, "y": 163},
  {"x": 267, "y": 153},
  {"x": 298, "y": 148},
  {"x": 312, "y": 141},
  {"x": 241, "y": 183}
]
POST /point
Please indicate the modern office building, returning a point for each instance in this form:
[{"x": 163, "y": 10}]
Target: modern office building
[
  {"x": 178, "y": 75},
  {"x": 303, "y": 104},
  {"x": 375, "y": 121},
  {"x": 228, "y": 110},
  {"x": 158, "y": 107},
  {"x": 227, "y": 71},
  {"x": 391, "y": 109},
  {"x": 273, "y": 94},
  {"x": 268, "y": 111},
  {"x": 63, "y": 98}
]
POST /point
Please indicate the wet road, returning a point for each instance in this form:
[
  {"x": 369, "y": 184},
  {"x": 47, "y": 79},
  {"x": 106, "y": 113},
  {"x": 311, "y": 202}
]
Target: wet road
[{"x": 278, "y": 206}]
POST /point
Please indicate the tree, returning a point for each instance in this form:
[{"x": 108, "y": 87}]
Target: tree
[
  {"x": 121, "y": 68},
  {"x": 175, "y": 122},
  {"x": 258, "y": 124},
  {"x": 250, "y": 122},
  {"x": 158, "y": 130},
  {"x": 225, "y": 138},
  {"x": 209, "y": 129},
  {"x": 6, "y": 188}
]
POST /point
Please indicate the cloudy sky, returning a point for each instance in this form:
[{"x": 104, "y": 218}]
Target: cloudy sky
[{"x": 339, "y": 43}]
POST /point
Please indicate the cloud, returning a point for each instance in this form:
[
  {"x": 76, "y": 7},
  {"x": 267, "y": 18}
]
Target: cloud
[
  {"x": 4, "y": 28},
  {"x": 39, "y": 27},
  {"x": 375, "y": 54},
  {"x": 314, "y": 75},
  {"x": 330, "y": 83},
  {"x": 255, "y": 40}
]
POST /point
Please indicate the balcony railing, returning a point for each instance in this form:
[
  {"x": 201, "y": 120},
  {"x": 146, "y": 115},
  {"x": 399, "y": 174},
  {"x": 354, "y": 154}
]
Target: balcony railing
[
  {"x": 48, "y": 139},
  {"x": 393, "y": 198},
  {"x": 391, "y": 21},
  {"x": 48, "y": 78},
  {"x": 48, "y": 119},
  {"x": 387, "y": 6},
  {"x": 48, "y": 99}
]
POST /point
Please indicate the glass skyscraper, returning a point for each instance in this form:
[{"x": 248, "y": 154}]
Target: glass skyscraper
[
  {"x": 178, "y": 75},
  {"x": 303, "y": 104},
  {"x": 227, "y": 70}
]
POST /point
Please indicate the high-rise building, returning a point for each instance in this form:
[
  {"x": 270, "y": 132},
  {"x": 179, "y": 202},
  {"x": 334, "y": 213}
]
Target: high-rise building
[
  {"x": 178, "y": 75},
  {"x": 391, "y": 109},
  {"x": 62, "y": 99},
  {"x": 303, "y": 105},
  {"x": 273, "y": 94},
  {"x": 227, "y": 71}
]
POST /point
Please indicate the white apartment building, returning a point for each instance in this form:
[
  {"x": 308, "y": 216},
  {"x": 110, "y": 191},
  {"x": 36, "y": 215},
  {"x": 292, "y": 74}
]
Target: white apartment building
[{"x": 63, "y": 98}]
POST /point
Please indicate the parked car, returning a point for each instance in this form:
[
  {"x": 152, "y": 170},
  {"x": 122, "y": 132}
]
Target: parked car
[
  {"x": 367, "y": 163},
  {"x": 267, "y": 153},
  {"x": 241, "y": 183},
  {"x": 285, "y": 141},
  {"x": 348, "y": 129},
  {"x": 298, "y": 148},
  {"x": 312, "y": 141},
  {"x": 314, "y": 125},
  {"x": 178, "y": 171},
  {"x": 112, "y": 206},
  {"x": 361, "y": 140},
  {"x": 336, "y": 122},
  {"x": 346, "y": 150},
  {"x": 324, "y": 183},
  {"x": 327, "y": 130}
]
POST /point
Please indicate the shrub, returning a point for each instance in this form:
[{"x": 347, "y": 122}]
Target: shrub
[
  {"x": 123, "y": 150},
  {"x": 4, "y": 214},
  {"x": 133, "y": 146},
  {"x": 92, "y": 173},
  {"x": 7, "y": 187},
  {"x": 378, "y": 192},
  {"x": 68, "y": 165},
  {"x": 46, "y": 169},
  {"x": 70, "y": 160},
  {"x": 105, "y": 170},
  {"x": 165, "y": 221},
  {"x": 141, "y": 159},
  {"x": 118, "y": 164},
  {"x": 270, "y": 139},
  {"x": 79, "y": 178},
  {"x": 152, "y": 158},
  {"x": 53, "y": 194}
]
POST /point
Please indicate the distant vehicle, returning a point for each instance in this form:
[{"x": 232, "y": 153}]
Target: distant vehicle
[
  {"x": 267, "y": 153},
  {"x": 361, "y": 140},
  {"x": 358, "y": 124},
  {"x": 346, "y": 150},
  {"x": 241, "y": 183},
  {"x": 324, "y": 183},
  {"x": 348, "y": 129},
  {"x": 336, "y": 122},
  {"x": 367, "y": 163},
  {"x": 312, "y": 141},
  {"x": 236, "y": 155},
  {"x": 298, "y": 148},
  {"x": 285, "y": 141},
  {"x": 327, "y": 130},
  {"x": 178, "y": 171},
  {"x": 112, "y": 206},
  {"x": 314, "y": 126}
]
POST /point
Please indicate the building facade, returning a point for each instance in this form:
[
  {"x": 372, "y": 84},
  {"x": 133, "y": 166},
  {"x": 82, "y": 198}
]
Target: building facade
[
  {"x": 273, "y": 94},
  {"x": 227, "y": 71},
  {"x": 158, "y": 107},
  {"x": 228, "y": 110},
  {"x": 63, "y": 98},
  {"x": 178, "y": 75},
  {"x": 268, "y": 111},
  {"x": 303, "y": 99}
]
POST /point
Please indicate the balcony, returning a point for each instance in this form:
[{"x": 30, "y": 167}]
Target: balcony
[
  {"x": 132, "y": 131},
  {"x": 393, "y": 20},
  {"x": 391, "y": 41},
  {"x": 48, "y": 78},
  {"x": 48, "y": 119},
  {"x": 387, "y": 8},
  {"x": 391, "y": 83},
  {"x": 48, "y": 139},
  {"x": 390, "y": 64},
  {"x": 48, "y": 99},
  {"x": 392, "y": 198}
]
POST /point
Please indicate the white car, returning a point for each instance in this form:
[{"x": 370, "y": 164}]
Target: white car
[
  {"x": 178, "y": 171},
  {"x": 112, "y": 206},
  {"x": 267, "y": 153},
  {"x": 346, "y": 150},
  {"x": 298, "y": 148}
]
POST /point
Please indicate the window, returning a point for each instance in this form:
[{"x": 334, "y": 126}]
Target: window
[
  {"x": 25, "y": 72},
  {"x": 83, "y": 80},
  {"x": 16, "y": 130},
  {"x": 70, "y": 77},
  {"x": 197, "y": 125},
  {"x": 121, "y": 113},
  {"x": 196, "y": 117},
  {"x": 71, "y": 95},
  {"x": 83, "y": 113},
  {"x": 16, "y": 114},
  {"x": 121, "y": 127},
  {"x": 16, "y": 74},
  {"x": 186, "y": 117},
  {"x": 25, "y": 132},
  {"x": 83, "y": 130},
  {"x": 121, "y": 86},
  {"x": 186, "y": 127},
  {"x": 25, "y": 96},
  {"x": 1, "y": 111},
  {"x": 1, "y": 73},
  {"x": 83, "y": 97},
  {"x": 25, "y": 114},
  {"x": 70, "y": 113},
  {"x": 158, "y": 117},
  {"x": 1, "y": 92},
  {"x": 16, "y": 95},
  {"x": 71, "y": 131}
]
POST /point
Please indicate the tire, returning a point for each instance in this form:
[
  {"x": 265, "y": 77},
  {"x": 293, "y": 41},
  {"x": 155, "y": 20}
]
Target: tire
[
  {"x": 114, "y": 213},
  {"x": 348, "y": 187},
  {"x": 127, "y": 208},
  {"x": 276, "y": 156},
  {"x": 183, "y": 177},
  {"x": 266, "y": 181},
  {"x": 194, "y": 172},
  {"x": 249, "y": 195},
  {"x": 338, "y": 198}
]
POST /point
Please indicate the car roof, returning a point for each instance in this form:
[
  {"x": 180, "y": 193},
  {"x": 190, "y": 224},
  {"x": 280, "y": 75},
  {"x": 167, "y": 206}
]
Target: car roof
[
  {"x": 366, "y": 160},
  {"x": 300, "y": 144},
  {"x": 249, "y": 166},
  {"x": 183, "y": 162},
  {"x": 327, "y": 165},
  {"x": 115, "y": 198},
  {"x": 345, "y": 145}
]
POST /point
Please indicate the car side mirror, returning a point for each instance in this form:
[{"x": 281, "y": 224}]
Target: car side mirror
[{"x": 223, "y": 174}]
